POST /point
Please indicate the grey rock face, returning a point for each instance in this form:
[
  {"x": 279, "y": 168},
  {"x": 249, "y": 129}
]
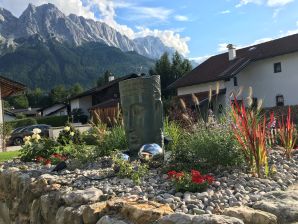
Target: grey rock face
[
  {"x": 108, "y": 220},
  {"x": 282, "y": 204},
  {"x": 50, "y": 23}
]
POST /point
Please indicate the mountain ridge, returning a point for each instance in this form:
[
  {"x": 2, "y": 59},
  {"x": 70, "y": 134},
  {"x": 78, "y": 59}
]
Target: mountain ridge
[{"x": 49, "y": 22}]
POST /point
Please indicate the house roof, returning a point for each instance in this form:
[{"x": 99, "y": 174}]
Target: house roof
[
  {"x": 107, "y": 85},
  {"x": 219, "y": 67},
  {"x": 7, "y": 112},
  {"x": 9, "y": 87},
  {"x": 52, "y": 105},
  {"x": 27, "y": 111},
  {"x": 106, "y": 104}
]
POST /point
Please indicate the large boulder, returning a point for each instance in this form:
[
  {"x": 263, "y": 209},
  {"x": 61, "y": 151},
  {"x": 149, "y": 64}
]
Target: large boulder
[
  {"x": 283, "y": 204},
  {"x": 144, "y": 213},
  {"x": 251, "y": 216},
  {"x": 80, "y": 197},
  {"x": 91, "y": 213},
  {"x": 180, "y": 218}
]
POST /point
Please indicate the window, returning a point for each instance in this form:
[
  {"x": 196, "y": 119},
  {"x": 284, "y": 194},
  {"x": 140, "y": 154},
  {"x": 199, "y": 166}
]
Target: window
[
  {"x": 235, "y": 81},
  {"x": 277, "y": 67},
  {"x": 280, "y": 100}
]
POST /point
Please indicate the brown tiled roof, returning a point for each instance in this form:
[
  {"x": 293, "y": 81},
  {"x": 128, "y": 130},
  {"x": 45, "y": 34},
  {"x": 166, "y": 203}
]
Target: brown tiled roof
[
  {"x": 219, "y": 67},
  {"x": 9, "y": 87}
]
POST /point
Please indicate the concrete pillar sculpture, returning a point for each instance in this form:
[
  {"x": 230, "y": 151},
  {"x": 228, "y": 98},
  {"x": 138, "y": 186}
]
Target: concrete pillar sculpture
[{"x": 142, "y": 111}]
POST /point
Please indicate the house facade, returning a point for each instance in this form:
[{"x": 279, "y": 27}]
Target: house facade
[
  {"x": 269, "y": 68},
  {"x": 58, "y": 109},
  {"x": 100, "y": 99}
]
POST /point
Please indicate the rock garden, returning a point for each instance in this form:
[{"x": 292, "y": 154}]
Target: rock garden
[{"x": 241, "y": 168}]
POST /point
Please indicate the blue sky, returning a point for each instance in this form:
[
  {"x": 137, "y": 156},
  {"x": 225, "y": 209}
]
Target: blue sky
[{"x": 196, "y": 28}]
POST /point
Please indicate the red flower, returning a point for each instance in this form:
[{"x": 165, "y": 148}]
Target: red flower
[
  {"x": 195, "y": 173},
  {"x": 39, "y": 159},
  {"x": 47, "y": 162},
  {"x": 209, "y": 179},
  {"x": 172, "y": 173},
  {"x": 179, "y": 175},
  {"x": 197, "y": 179}
]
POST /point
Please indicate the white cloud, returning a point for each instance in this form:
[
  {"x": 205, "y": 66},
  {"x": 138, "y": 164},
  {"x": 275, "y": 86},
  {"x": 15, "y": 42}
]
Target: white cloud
[
  {"x": 270, "y": 3},
  {"x": 107, "y": 9},
  {"x": 181, "y": 18},
  {"x": 69, "y": 6},
  {"x": 245, "y": 2},
  {"x": 225, "y": 12},
  {"x": 278, "y": 3},
  {"x": 200, "y": 59},
  {"x": 169, "y": 37}
]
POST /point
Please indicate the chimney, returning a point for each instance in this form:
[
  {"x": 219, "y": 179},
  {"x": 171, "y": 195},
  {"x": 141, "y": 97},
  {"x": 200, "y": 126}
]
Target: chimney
[
  {"x": 232, "y": 52},
  {"x": 29, "y": 108},
  {"x": 111, "y": 78}
]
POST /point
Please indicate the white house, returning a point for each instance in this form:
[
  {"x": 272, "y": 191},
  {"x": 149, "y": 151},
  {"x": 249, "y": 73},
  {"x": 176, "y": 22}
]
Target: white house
[
  {"x": 58, "y": 109},
  {"x": 270, "y": 68}
]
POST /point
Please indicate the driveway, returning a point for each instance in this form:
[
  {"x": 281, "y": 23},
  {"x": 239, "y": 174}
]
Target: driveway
[{"x": 13, "y": 148}]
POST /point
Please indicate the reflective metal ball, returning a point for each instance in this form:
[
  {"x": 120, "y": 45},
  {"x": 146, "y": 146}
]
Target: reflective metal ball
[{"x": 151, "y": 152}]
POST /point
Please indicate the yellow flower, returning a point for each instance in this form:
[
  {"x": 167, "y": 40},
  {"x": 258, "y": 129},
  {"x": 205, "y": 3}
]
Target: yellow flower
[
  {"x": 36, "y": 137},
  {"x": 66, "y": 128},
  {"x": 36, "y": 131},
  {"x": 27, "y": 138},
  {"x": 72, "y": 133},
  {"x": 28, "y": 143}
]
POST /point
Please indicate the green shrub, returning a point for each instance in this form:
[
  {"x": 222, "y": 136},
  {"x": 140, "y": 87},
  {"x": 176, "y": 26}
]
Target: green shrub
[
  {"x": 176, "y": 133},
  {"x": 208, "y": 148},
  {"x": 111, "y": 141},
  {"x": 132, "y": 170},
  {"x": 22, "y": 122},
  {"x": 69, "y": 135},
  {"x": 54, "y": 121}
]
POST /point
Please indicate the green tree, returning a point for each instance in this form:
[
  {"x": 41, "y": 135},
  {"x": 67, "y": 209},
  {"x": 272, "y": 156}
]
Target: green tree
[
  {"x": 170, "y": 70},
  {"x": 19, "y": 102},
  {"x": 104, "y": 78},
  {"x": 58, "y": 94},
  {"x": 76, "y": 89}
]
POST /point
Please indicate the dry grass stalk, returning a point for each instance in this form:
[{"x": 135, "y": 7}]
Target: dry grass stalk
[
  {"x": 217, "y": 88},
  {"x": 240, "y": 91},
  {"x": 260, "y": 103},
  {"x": 210, "y": 94},
  {"x": 195, "y": 99},
  {"x": 182, "y": 104},
  {"x": 250, "y": 92}
]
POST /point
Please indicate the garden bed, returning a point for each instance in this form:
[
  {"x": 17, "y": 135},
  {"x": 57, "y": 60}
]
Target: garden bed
[{"x": 229, "y": 189}]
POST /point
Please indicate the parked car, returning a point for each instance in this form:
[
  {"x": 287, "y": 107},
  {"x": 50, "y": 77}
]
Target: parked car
[{"x": 18, "y": 134}]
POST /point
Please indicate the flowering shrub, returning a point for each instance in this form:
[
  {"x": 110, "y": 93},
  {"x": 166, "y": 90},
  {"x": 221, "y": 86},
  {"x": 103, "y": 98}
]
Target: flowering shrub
[
  {"x": 35, "y": 147},
  {"x": 69, "y": 135},
  {"x": 287, "y": 134},
  {"x": 192, "y": 182}
]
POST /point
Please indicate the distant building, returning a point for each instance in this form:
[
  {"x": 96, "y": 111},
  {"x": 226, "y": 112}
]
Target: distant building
[
  {"x": 103, "y": 100},
  {"x": 9, "y": 116},
  {"x": 58, "y": 109},
  {"x": 27, "y": 112},
  {"x": 270, "y": 68}
]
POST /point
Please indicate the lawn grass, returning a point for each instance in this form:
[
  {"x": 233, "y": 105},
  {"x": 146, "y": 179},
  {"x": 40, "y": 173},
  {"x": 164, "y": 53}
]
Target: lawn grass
[{"x": 4, "y": 156}]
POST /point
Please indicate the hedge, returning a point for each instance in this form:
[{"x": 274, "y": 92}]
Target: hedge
[
  {"x": 22, "y": 122},
  {"x": 54, "y": 121}
]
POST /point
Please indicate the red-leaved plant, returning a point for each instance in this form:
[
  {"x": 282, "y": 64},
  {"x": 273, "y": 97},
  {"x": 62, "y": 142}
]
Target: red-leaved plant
[
  {"x": 250, "y": 131},
  {"x": 287, "y": 134},
  {"x": 192, "y": 182}
]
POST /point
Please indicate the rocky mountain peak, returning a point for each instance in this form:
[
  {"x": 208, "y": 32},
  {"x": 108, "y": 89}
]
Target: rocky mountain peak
[{"x": 49, "y": 22}]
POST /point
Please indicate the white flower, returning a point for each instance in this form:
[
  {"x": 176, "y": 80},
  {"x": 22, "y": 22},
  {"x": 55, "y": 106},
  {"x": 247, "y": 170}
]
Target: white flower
[
  {"x": 66, "y": 128},
  {"x": 36, "y": 131},
  {"x": 72, "y": 133}
]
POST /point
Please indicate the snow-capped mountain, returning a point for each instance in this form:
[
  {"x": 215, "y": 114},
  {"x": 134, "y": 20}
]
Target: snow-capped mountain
[{"x": 50, "y": 23}]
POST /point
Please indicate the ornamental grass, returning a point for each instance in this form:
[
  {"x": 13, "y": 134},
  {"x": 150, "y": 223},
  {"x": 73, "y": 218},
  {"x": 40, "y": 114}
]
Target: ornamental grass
[
  {"x": 250, "y": 131},
  {"x": 287, "y": 134}
]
